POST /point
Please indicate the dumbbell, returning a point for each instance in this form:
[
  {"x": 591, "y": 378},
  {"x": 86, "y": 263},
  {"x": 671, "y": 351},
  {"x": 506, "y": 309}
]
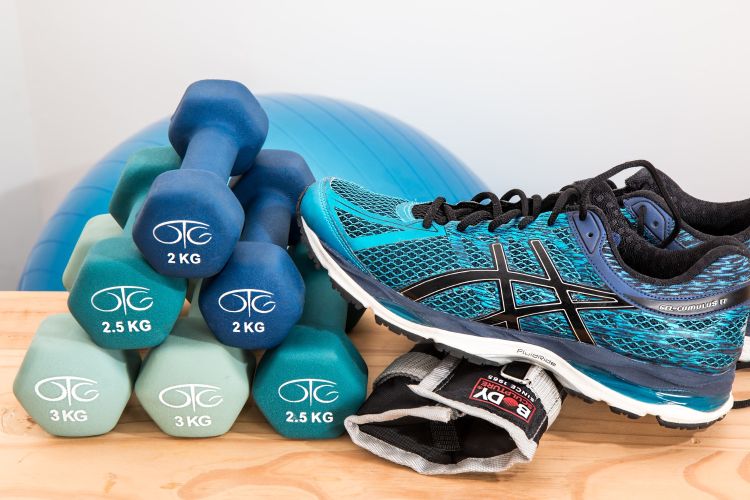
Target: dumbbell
[
  {"x": 97, "y": 228},
  {"x": 191, "y": 221},
  {"x": 310, "y": 383},
  {"x": 69, "y": 385},
  {"x": 259, "y": 294},
  {"x": 121, "y": 301},
  {"x": 192, "y": 385}
]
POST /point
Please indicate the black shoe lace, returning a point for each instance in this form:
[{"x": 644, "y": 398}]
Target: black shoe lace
[{"x": 498, "y": 211}]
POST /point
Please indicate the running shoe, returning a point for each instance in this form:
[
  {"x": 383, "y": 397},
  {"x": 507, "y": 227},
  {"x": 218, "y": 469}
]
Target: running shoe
[
  {"x": 563, "y": 282},
  {"x": 698, "y": 220}
]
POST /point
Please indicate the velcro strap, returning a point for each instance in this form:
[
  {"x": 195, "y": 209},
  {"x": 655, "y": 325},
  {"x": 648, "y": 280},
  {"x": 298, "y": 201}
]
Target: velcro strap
[
  {"x": 519, "y": 397},
  {"x": 439, "y": 414},
  {"x": 445, "y": 436}
]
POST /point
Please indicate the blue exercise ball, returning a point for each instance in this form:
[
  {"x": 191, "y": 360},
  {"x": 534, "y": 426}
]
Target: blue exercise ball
[{"x": 335, "y": 138}]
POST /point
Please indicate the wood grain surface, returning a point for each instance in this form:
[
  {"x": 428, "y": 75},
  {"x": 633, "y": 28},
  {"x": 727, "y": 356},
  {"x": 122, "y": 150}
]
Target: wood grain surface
[{"x": 588, "y": 453}]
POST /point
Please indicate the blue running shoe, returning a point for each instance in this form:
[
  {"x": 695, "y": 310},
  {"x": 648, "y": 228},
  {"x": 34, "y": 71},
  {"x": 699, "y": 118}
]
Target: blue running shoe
[
  {"x": 563, "y": 282},
  {"x": 698, "y": 220}
]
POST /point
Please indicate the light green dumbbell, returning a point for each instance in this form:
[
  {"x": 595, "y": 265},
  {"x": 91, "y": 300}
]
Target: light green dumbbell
[
  {"x": 192, "y": 385},
  {"x": 99, "y": 227},
  {"x": 69, "y": 385}
]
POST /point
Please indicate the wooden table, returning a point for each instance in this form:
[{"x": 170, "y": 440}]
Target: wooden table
[{"x": 588, "y": 453}]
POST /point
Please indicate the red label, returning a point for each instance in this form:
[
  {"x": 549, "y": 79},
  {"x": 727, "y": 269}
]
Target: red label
[{"x": 503, "y": 398}]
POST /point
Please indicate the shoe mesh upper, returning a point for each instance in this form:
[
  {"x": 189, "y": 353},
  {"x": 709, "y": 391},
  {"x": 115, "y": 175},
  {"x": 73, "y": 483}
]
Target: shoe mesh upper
[
  {"x": 357, "y": 227},
  {"x": 694, "y": 344},
  {"x": 527, "y": 295},
  {"x": 407, "y": 262},
  {"x": 467, "y": 301},
  {"x": 723, "y": 274},
  {"x": 372, "y": 202},
  {"x": 551, "y": 323},
  {"x": 710, "y": 344}
]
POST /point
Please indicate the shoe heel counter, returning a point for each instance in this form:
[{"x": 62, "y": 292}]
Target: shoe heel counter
[{"x": 719, "y": 324}]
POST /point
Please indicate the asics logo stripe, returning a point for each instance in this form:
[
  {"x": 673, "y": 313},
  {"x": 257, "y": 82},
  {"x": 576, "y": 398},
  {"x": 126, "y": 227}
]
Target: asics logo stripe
[{"x": 510, "y": 312}]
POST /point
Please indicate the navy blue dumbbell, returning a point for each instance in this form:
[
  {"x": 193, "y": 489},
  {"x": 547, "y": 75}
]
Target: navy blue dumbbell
[
  {"x": 190, "y": 220},
  {"x": 258, "y": 296}
]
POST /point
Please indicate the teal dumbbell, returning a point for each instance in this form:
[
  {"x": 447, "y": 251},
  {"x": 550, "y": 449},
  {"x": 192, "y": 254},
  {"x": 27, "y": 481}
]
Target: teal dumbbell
[
  {"x": 117, "y": 297},
  {"x": 69, "y": 385},
  {"x": 192, "y": 385},
  {"x": 310, "y": 383}
]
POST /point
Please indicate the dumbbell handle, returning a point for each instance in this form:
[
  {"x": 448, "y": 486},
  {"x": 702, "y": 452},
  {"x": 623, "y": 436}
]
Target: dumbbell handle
[
  {"x": 324, "y": 307},
  {"x": 268, "y": 217},
  {"x": 211, "y": 149}
]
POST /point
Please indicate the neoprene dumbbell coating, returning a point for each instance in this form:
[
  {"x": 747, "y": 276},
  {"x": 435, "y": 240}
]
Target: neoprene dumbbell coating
[
  {"x": 259, "y": 294},
  {"x": 310, "y": 383},
  {"x": 191, "y": 221},
  {"x": 121, "y": 301},
  {"x": 97, "y": 228},
  {"x": 192, "y": 385},
  {"x": 69, "y": 385}
]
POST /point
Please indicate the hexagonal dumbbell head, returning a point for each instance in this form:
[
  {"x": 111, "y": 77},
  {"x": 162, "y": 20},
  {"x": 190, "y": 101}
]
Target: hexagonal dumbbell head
[
  {"x": 308, "y": 385},
  {"x": 70, "y": 386},
  {"x": 259, "y": 294},
  {"x": 117, "y": 297},
  {"x": 99, "y": 227},
  {"x": 190, "y": 221},
  {"x": 192, "y": 385}
]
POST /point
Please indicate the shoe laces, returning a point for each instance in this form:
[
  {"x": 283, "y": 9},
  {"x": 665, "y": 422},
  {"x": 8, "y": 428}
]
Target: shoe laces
[{"x": 487, "y": 206}]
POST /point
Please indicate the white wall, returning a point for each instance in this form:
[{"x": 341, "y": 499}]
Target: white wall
[
  {"x": 20, "y": 217},
  {"x": 531, "y": 94}
]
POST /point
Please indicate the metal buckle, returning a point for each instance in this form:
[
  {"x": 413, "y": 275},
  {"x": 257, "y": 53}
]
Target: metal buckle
[{"x": 524, "y": 381}]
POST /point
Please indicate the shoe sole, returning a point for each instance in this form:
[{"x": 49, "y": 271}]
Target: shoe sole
[{"x": 502, "y": 351}]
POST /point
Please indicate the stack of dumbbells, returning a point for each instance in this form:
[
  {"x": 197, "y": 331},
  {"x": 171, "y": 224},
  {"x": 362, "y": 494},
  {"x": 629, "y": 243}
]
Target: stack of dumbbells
[{"x": 176, "y": 230}]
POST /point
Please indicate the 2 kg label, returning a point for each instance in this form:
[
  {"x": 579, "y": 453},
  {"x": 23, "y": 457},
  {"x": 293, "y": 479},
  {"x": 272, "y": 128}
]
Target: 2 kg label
[
  {"x": 184, "y": 258},
  {"x": 248, "y": 327}
]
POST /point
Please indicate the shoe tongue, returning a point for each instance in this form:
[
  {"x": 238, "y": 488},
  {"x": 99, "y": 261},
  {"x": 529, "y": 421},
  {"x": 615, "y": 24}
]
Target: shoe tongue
[
  {"x": 643, "y": 180},
  {"x": 602, "y": 197}
]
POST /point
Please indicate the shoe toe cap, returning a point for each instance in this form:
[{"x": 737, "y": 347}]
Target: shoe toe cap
[{"x": 320, "y": 217}]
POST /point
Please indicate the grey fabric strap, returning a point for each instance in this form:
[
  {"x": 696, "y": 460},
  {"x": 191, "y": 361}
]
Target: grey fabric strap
[
  {"x": 413, "y": 365},
  {"x": 447, "y": 394}
]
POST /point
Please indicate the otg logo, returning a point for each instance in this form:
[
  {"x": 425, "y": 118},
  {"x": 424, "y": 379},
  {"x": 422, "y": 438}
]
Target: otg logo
[
  {"x": 312, "y": 390},
  {"x": 114, "y": 298},
  {"x": 193, "y": 395},
  {"x": 173, "y": 232},
  {"x": 250, "y": 300},
  {"x": 67, "y": 388}
]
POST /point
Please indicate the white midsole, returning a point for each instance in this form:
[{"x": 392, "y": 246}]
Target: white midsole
[
  {"x": 745, "y": 356},
  {"x": 503, "y": 351}
]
